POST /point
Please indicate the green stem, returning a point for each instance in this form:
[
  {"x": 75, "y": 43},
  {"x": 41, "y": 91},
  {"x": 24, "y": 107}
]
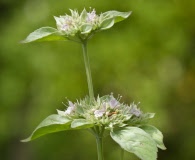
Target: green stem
[
  {"x": 99, "y": 142},
  {"x": 122, "y": 154},
  {"x": 98, "y": 132},
  {"x": 88, "y": 70}
]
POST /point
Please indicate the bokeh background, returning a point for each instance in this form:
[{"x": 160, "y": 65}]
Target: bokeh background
[{"x": 148, "y": 58}]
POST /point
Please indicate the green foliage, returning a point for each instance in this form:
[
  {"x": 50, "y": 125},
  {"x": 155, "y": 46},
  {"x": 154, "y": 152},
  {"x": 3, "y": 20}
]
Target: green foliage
[
  {"x": 79, "y": 27},
  {"x": 150, "y": 60},
  {"x": 155, "y": 134},
  {"x": 86, "y": 28},
  {"x": 53, "y": 123},
  {"x": 103, "y": 113},
  {"x": 107, "y": 23},
  {"x": 135, "y": 140},
  {"x": 107, "y": 113},
  {"x": 81, "y": 124},
  {"x": 117, "y": 16},
  {"x": 44, "y": 34}
]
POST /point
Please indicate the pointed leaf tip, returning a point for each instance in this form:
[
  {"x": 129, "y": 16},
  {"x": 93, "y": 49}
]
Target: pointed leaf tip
[
  {"x": 137, "y": 141},
  {"x": 44, "y": 34},
  {"x": 118, "y": 16},
  {"x": 155, "y": 134},
  {"x": 51, "y": 124}
]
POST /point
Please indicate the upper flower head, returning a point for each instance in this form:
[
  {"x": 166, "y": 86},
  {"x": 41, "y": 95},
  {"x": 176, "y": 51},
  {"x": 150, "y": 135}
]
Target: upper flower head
[
  {"x": 77, "y": 26},
  {"x": 66, "y": 24},
  {"x": 70, "y": 25},
  {"x": 92, "y": 16},
  {"x": 87, "y": 22}
]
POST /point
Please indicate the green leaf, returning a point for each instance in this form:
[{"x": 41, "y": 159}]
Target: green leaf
[
  {"x": 107, "y": 23},
  {"x": 86, "y": 28},
  {"x": 53, "y": 123},
  {"x": 81, "y": 124},
  {"x": 155, "y": 134},
  {"x": 44, "y": 34},
  {"x": 137, "y": 141},
  {"x": 83, "y": 15},
  {"x": 118, "y": 16}
]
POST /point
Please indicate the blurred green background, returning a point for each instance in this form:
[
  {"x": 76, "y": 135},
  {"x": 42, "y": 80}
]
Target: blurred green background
[{"x": 148, "y": 58}]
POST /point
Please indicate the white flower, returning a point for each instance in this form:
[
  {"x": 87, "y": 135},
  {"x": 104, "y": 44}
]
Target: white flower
[
  {"x": 134, "y": 110},
  {"x": 77, "y": 23},
  {"x": 91, "y": 16},
  {"x": 66, "y": 24},
  {"x": 99, "y": 113},
  {"x": 70, "y": 109},
  {"x": 113, "y": 103}
]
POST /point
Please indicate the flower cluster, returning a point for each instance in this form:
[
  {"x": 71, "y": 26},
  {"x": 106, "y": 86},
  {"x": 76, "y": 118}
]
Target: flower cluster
[
  {"x": 126, "y": 123},
  {"x": 106, "y": 111},
  {"x": 73, "y": 24},
  {"x": 85, "y": 24},
  {"x": 77, "y": 26}
]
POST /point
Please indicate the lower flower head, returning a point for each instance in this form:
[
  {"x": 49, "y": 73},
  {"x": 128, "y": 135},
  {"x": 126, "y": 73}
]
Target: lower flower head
[
  {"x": 134, "y": 110},
  {"x": 113, "y": 103},
  {"x": 106, "y": 111}
]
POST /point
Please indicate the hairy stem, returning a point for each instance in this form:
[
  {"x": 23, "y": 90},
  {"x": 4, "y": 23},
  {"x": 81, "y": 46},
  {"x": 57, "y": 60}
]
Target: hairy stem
[{"x": 88, "y": 70}]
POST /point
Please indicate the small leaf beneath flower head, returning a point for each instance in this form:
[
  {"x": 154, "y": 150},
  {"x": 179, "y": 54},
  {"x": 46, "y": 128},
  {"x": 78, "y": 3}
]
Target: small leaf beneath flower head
[
  {"x": 118, "y": 16},
  {"x": 137, "y": 141},
  {"x": 155, "y": 134},
  {"x": 86, "y": 28},
  {"x": 107, "y": 23},
  {"x": 81, "y": 124},
  {"x": 53, "y": 123},
  {"x": 147, "y": 116},
  {"x": 44, "y": 34}
]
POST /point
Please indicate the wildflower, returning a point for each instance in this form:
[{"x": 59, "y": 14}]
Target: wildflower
[
  {"x": 66, "y": 24},
  {"x": 92, "y": 17},
  {"x": 113, "y": 103},
  {"x": 70, "y": 109},
  {"x": 77, "y": 26},
  {"x": 101, "y": 112},
  {"x": 135, "y": 111}
]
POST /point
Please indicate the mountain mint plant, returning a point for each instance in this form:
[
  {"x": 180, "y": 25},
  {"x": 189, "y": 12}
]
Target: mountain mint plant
[{"x": 127, "y": 124}]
